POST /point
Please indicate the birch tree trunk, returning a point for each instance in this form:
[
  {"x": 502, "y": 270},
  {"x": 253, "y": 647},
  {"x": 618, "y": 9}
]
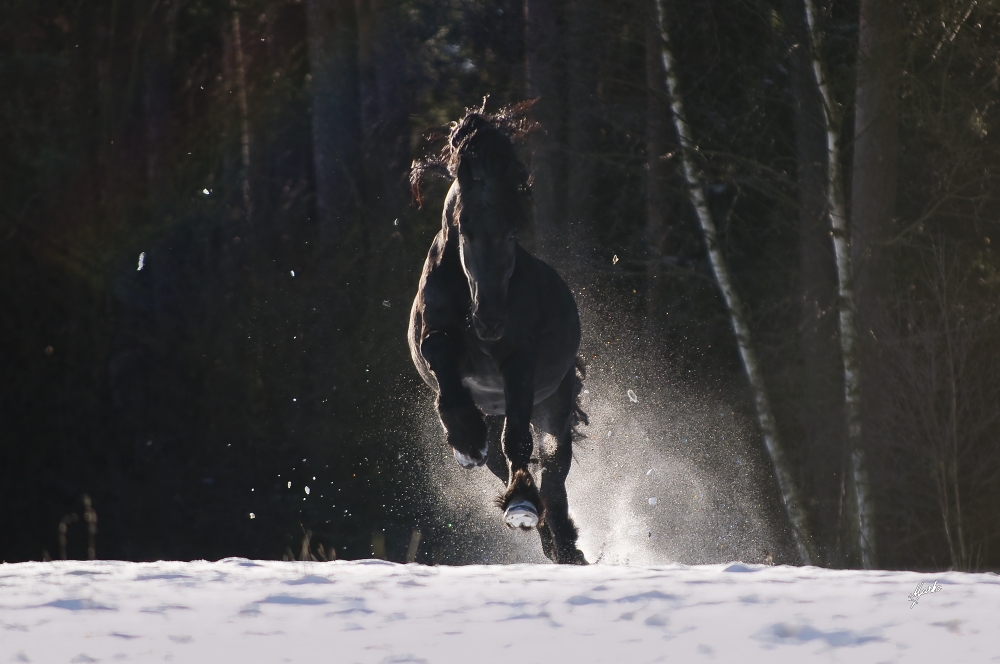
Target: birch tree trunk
[
  {"x": 821, "y": 398},
  {"x": 850, "y": 348},
  {"x": 658, "y": 172},
  {"x": 737, "y": 316}
]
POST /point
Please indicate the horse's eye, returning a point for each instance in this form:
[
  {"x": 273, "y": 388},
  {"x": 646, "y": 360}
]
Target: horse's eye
[{"x": 512, "y": 238}]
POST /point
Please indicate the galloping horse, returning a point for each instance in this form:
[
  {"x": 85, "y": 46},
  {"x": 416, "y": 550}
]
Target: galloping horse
[{"x": 495, "y": 331}]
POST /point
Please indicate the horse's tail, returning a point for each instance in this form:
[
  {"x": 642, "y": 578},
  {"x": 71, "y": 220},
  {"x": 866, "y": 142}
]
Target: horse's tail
[{"x": 577, "y": 416}]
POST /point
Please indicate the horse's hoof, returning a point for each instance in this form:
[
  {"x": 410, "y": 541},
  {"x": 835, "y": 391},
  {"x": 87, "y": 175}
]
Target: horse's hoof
[
  {"x": 468, "y": 462},
  {"x": 521, "y": 514}
]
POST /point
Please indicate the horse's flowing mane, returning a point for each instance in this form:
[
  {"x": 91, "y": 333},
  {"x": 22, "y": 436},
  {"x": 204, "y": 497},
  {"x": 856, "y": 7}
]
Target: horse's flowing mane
[{"x": 486, "y": 139}]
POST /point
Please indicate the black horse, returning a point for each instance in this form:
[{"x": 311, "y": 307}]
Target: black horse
[{"x": 494, "y": 330}]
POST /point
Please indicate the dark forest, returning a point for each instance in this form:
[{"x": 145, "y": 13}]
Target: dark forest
[{"x": 209, "y": 247}]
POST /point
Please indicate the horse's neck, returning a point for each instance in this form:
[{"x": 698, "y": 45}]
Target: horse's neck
[{"x": 448, "y": 224}]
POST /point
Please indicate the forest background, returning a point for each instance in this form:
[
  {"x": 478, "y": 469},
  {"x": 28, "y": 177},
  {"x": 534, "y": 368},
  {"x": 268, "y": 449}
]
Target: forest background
[{"x": 252, "y": 158}]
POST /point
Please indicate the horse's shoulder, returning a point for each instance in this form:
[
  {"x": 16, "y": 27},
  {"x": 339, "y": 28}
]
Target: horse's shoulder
[
  {"x": 442, "y": 257},
  {"x": 442, "y": 285},
  {"x": 436, "y": 253},
  {"x": 448, "y": 211}
]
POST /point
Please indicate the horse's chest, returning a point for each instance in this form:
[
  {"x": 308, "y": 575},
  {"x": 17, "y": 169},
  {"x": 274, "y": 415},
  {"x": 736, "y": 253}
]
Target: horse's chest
[
  {"x": 481, "y": 376},
  {"x": 486, "y": 385},
  {"x": 487, "y": 392}
]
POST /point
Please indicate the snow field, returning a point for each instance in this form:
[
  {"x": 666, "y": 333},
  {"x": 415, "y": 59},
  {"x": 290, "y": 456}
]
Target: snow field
[{"x": 243, "y": 611}]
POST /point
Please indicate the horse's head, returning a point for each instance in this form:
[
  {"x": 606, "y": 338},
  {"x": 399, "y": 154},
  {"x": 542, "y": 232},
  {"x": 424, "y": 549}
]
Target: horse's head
[
  {"x": 491, "y": 202},
  {"x": 489, "y": 208}
]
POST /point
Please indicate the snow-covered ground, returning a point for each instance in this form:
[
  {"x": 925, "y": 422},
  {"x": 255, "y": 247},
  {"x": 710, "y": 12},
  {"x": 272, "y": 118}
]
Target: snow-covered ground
[{"x": 244, "y": 612}]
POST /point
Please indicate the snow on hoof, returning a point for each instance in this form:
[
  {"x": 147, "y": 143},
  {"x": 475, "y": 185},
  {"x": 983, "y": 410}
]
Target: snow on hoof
[
  {"x": 521, "y": 514},
  {"x": 468, "y": 462}
]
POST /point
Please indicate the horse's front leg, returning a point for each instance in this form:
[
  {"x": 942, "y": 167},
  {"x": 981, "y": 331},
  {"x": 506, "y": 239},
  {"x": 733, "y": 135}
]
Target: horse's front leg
[
  {"x": 521, "y": 502},
  {"x": 464, "y": 425}
]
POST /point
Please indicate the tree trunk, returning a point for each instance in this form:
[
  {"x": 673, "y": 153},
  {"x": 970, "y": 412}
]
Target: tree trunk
[
  {"x": 545, "y": 60},
  {"x": 873, "y": 192},
  {"x": 333, "y": 65},
  {"x": 737, "y": 316},
  {"x": 850, "y": 348},
  {"x": 385, "y": 111},
  {"x": 876, "y": 147},
  {"x": 657, "y": 173},
  {"x": 582, "y": 61},
  {"x": 156, "y": 98},
  {"x": 342, "y": 294},
  {"x": 241, "y": 97},
  {"x": 664, "y": 203},
  {"x": 822, "y": 415}
]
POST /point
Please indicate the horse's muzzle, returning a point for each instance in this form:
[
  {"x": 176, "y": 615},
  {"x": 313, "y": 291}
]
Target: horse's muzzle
[{"x": 489, "y": 330}]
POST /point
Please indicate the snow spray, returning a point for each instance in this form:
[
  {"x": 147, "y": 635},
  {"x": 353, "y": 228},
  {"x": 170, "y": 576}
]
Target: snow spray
[{"x": 669, "y": 471}]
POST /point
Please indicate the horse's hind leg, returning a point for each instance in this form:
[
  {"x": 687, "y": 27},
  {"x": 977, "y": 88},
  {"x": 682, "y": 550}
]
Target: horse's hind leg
[
  {"x": 557, "y": 416},
  {"x": 558, "y": 528}
]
